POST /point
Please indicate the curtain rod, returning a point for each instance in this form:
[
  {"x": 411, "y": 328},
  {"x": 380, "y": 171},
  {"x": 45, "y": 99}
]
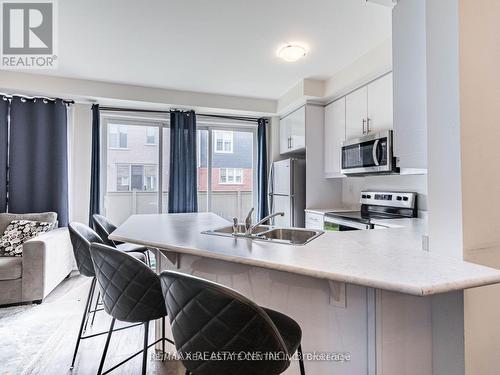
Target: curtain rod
[
  {"x": 9, "y": 96},
  {"x": 228, "y": 117}
]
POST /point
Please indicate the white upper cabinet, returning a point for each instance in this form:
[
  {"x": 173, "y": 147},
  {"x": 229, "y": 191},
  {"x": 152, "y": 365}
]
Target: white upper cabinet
[
  {"x": 363, "y": 111},
  {"x": 356, "y": 113},
  {"x": 335, "y": 134},
  {"x": 293, "y": 131},
  {"x": 369, "y": 109},
  {"x": 380, "y": 100}
]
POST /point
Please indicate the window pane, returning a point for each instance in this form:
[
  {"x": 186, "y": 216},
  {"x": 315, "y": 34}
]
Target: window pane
[
  {"x": 151, "y": 135},
  {"x": 232, "y": 175},
  {"x": 223, "y": 141},
  {"x": 150, "y": 177},
  {"x": 136, "y": 179},
  {"x": 123, "y": 137},
  {"x": 122, "y": 177},
  {"x": 131, "y": 173},
  {"x": 202, "y": 155},
  {"x": 166, "y": 168}
]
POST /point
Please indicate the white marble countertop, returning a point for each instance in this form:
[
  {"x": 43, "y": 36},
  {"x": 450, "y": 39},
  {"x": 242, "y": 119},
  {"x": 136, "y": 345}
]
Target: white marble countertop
[{"x": 389, "y": 259}]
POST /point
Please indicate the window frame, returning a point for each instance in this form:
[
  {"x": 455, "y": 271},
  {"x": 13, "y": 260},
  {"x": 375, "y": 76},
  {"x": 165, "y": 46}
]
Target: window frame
[{"x": 163, "y": 124}]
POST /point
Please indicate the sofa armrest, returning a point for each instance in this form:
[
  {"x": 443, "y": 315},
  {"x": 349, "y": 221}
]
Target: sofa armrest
[{"x": 47, "y": 260}]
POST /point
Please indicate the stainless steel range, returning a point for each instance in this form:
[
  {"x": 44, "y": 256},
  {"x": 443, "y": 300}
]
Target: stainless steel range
[{"x": 374, "y": 205}]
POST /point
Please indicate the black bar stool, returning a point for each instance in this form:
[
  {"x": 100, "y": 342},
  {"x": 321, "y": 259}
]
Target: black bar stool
[
  {"x": 131, "y": 292},
  {"x": 207, "y": 317},
  {"x": 81, "y": 237},
  {"x": 104, "y": 227}
]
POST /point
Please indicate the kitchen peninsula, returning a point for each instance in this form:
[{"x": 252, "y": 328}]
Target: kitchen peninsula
[{"x": 375, "y": 295}]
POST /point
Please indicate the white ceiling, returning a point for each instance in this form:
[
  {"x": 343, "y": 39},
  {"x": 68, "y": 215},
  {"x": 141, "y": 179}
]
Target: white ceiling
[{"x": 217, "y": 46}]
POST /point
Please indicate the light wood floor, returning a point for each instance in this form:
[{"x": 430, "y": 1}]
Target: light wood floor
[{"x": 65, "y": 306}]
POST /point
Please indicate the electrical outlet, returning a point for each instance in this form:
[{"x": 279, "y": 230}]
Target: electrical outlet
[{"x": 425, "y": 243}]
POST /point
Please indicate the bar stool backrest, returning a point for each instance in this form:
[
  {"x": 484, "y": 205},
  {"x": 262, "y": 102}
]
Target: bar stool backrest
[
  {"x": 211, "y": 321},
  {"x": 104, "y": 227},
  {"x": 130, "y": 290},
  {"x": 81, "y": 237}
]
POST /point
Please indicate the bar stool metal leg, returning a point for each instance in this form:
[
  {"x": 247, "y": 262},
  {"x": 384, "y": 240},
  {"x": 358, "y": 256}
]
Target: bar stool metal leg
[
  {"x": 95, "y": 308},
  {"x": 301, "y": 361},
  {"x": 89, "y": 306},
  {"x": 108, "y": 339},
  {"x": 163, "y": 339},
  {"x": 85, "y": 313},
  {"x": 145, "y": 352}
]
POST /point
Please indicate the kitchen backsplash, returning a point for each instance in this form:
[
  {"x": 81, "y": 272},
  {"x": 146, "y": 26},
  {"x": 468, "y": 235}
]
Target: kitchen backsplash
[{"x": 352, "y": 187}]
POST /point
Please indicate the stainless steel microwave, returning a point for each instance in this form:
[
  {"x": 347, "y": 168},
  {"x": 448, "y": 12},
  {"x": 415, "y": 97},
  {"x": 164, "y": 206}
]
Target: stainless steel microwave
[{"x": 369, "y": 154}]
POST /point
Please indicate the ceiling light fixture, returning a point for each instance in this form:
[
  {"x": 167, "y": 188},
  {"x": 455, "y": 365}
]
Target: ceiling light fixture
[{"x": 291, "y": 52}]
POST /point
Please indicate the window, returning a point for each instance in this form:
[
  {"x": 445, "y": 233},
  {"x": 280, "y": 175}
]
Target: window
[
  {"x": 223, "y": 141},
  {"x": 231, "y": 176},
  {"x": 136, "y": 181},
  {"x": 137, "y": 177},
  {"x": 117, "y": 136},
  {"x": 151, "y": 136}
]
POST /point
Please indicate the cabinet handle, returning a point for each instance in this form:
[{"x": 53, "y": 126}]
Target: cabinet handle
[
  {"x": 291, "y": 142},
  {"x": 368, "y": 126},
  {"x": 364, "y": 123}
]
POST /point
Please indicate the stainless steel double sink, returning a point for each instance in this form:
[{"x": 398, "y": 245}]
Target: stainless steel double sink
[{"x": 289, "y": 236}]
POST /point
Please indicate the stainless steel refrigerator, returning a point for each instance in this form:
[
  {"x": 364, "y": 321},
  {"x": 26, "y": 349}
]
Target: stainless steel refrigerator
[{"x": 287, "y": 192}]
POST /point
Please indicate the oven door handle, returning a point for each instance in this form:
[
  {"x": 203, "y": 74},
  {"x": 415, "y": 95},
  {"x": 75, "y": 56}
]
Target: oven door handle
[{"x": 374, "y": 152}]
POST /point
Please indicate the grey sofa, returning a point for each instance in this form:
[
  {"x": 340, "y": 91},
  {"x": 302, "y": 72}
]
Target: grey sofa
[{"x": 47, "y": 259}]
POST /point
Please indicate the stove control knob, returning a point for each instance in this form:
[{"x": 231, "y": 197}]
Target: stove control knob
[
  {"x": 405, "y": 198},
  {"x": 399, "y": 198}
]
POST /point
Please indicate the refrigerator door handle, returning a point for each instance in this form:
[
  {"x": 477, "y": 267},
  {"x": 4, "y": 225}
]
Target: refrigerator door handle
[
  {"x": 270, "y": 180},
  {"x": 270, "y": 189}
]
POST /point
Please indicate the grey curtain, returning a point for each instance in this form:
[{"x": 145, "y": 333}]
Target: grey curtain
[
  {"x": 182, "y": 192},
  {"x": 4, "y": 134},
  {"x": 262, "y": 209},
  {"x": 38, "y": 160},
  {"x": 95, "y": 167}
]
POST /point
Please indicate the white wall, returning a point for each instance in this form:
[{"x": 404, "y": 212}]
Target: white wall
[
  {"x": 480, "y": 176},
  {"x": 320, "y": 192},
  {"x": 375, "y": 63},
  {"x": 443, "y": 135},
  {"x": 132, "y": 96},
  {"x": 410, "y": 84},
  {"x": 79, "y": 162}
]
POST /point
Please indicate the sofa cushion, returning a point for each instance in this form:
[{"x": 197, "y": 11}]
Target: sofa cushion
[
  {"x": 6, "y": 218},
  {"x": 11, "y": 268},
  {"x": 17, "y": 233}
]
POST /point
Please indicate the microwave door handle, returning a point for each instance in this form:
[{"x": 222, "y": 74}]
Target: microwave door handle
[{"x": 374, "y": 152}]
